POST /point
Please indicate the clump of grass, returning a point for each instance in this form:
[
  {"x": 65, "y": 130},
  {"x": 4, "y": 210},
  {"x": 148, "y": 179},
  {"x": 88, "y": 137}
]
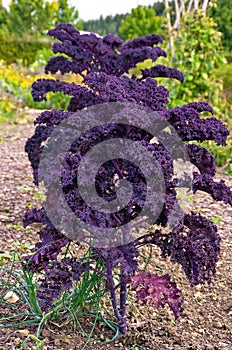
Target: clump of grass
[{"x": 85, "y": 299}]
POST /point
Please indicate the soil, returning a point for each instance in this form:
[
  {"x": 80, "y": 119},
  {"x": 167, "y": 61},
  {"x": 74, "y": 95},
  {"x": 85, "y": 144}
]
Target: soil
[{"x": 206, "y": 322}]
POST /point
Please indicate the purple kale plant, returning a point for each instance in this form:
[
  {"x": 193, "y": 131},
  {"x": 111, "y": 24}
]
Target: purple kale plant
[{"x": 193, "y": 242}]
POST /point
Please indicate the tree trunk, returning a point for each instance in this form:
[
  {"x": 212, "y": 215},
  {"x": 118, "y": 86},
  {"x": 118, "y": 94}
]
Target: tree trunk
[
  {"x": 182, "y": 7},
  {"x": 170, "y": 43},
  {"x": 196, "y": 4},
  {"x": 204, "y": 5},
  {"x": 190, "y": 4},
  {"x": 177, "y": 21}
]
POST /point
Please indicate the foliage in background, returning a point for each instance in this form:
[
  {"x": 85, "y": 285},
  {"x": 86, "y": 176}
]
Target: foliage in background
[
  {"x": 141, "y": 21},
  {"x": 16, "y": 49},
  {"x": 103, "y": 26},
  {"x": 159, "y": 7},
  {"x": 64, "y": 12},
  {"x": 3, "y": 14},
  {"x": 225, "y": 73},
  {"x": 35, "y": 17},
  {"x": 221, "y": 12},
  {"x": 29, "y": 17},
  {"x": 15, "y": 89},
  {"x": 24, "y": 26}
]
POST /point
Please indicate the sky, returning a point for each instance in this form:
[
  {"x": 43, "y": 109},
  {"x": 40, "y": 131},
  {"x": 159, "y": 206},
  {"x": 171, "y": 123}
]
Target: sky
[{"x": 92, "y": 9}]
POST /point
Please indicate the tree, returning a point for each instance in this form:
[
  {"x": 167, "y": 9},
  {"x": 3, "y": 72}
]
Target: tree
[
  {"x": 180, "y": 8},
  {"x": 30, "y": 17},
  {"x": 36, "y": 17},
  {"x": 23, "y": 28},
  {"x": 141, "y": 21},
  {"x": 222, "y": 14},
  {"x": 3, "y": 15},
  {"x": 66, "y": 14},
  {"x": 103, "y": 26},
  {"x": 159, "y": 8}
]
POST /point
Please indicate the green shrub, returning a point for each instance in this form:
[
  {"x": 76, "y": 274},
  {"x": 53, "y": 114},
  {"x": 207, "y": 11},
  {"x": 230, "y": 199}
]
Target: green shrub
[{"x": 20, "y": 49}]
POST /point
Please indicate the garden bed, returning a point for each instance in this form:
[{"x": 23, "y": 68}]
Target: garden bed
[{"x": 206, "y": 319}]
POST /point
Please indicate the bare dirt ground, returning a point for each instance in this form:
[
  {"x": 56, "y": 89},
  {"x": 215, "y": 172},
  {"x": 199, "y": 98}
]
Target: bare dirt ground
[{"x": 206, "y": 322}]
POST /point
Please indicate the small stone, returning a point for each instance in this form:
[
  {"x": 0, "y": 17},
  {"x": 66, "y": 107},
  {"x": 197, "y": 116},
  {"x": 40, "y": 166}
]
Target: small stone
[
  {"x": 17, "y": 341},
  {"x": 218, "y": 324},
  {"x": 24, "y": 332},
  {"x": 11, "y": 297},
  {"x": 198, "y": 295}
]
